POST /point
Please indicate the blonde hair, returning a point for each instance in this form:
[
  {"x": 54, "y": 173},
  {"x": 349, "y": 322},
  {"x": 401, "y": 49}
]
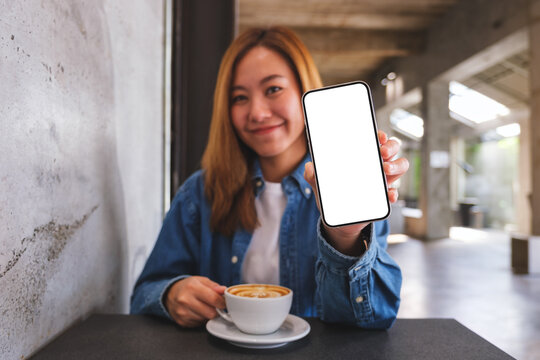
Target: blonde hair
[{"x": 227, "y": 161}]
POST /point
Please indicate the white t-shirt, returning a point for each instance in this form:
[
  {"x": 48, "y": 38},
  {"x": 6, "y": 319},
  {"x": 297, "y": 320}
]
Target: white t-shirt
[{"x": 261, "y": 262}]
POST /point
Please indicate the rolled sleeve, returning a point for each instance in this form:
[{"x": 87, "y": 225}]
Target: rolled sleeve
[
  {"x": 364, "y": 290},
  {"x": 340, "y": 263},
  {"x": 152, "y": 299}
]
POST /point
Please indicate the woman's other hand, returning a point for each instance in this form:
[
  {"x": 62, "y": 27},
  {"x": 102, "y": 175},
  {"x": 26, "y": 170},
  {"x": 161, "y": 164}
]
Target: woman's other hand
[{"x": 193, "y": 301}]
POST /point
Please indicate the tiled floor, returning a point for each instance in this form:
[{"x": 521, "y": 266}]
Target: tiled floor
[{"x": 468, "y": 277}]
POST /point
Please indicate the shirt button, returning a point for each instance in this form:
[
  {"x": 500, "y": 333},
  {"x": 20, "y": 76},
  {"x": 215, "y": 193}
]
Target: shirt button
[
  {"x": 359, "y": 299},
  {"x": 234, "y": 259},
  {"x": 307, "y": 191},
  {"x": 258, "y": 183}
]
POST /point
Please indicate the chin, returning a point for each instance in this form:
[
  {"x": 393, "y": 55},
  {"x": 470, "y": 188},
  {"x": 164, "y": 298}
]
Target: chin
[{"x": 268, "y": 152}]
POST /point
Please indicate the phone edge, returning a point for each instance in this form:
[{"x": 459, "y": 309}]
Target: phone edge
[{"x": 374, "y": 120}]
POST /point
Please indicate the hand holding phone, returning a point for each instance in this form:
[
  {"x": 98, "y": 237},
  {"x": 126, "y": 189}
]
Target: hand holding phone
[
  {"x": 344, "y": 146},
  {"x": 345, "y": 239}
]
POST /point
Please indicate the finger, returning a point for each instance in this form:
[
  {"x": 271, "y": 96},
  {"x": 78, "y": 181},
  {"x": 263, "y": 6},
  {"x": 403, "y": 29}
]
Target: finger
[
  {"x": 392, "y": 195},
  {"x": 203, "y": 310},
  {"x": 389, "y": 149},
  {"x": 220, "y": 289},
  {"x": 397, "y": 167},
  {"x": 392, "y": 179},
  {"x": 383, "y": 138},
  {"x": 309, "y": 173},
  {"x": 210, "y": 297},
  {"x": 206, "y": 281}
]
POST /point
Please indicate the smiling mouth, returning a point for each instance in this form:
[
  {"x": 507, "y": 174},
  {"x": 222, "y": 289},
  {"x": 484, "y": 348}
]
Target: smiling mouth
[{"x": 265, "y": 130}]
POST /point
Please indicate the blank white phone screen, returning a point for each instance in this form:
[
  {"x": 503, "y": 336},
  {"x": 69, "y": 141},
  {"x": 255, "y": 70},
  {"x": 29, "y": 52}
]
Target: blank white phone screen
[{"x": 345, "y": 152}]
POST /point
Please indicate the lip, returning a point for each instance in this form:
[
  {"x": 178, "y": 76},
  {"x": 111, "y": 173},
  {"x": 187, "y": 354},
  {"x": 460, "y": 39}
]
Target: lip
[{"x": 263, "y": 130}]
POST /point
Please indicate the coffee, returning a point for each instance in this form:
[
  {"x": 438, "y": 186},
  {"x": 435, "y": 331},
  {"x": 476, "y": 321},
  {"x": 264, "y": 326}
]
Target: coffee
[
  {"x": 257, "y": 308},
  {"x": 258, "y": 291}
]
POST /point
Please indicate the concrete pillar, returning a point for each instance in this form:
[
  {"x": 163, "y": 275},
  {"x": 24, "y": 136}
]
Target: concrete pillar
[
  {"x": 457, "y": 174},
  {"x": 524, "y": 193},
  {"x": 435, "y": 183},
  {"x": 534, "y": 124}
]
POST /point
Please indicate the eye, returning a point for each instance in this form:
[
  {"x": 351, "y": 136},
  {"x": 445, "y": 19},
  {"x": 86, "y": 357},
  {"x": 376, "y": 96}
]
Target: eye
[
  {"x": 272, "y": 89},
  {"x": 238, "y": 98}
]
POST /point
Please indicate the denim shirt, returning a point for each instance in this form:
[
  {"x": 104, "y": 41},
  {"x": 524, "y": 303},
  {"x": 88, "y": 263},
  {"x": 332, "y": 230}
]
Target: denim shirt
[{"x": 363, "y": 291}]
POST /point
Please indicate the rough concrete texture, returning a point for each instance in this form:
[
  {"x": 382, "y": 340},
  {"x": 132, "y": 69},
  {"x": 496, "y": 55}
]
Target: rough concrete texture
[{"x": 81, "y": 160}]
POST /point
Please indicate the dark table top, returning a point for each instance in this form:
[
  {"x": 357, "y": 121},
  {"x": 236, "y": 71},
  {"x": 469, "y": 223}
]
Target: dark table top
[{"x": 143, "y": 337}]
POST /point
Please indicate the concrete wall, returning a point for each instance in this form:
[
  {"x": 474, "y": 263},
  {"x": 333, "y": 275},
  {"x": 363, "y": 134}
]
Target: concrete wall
[{"x": 81, "y": 94}]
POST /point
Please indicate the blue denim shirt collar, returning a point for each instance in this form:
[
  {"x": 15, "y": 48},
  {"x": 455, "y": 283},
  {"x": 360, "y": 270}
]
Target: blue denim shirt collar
[{"x": 295, "y": 179}]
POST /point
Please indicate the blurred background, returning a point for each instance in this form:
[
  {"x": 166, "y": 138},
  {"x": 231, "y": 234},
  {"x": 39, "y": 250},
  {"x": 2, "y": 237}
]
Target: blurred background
[{"x": 105, "y": 108}]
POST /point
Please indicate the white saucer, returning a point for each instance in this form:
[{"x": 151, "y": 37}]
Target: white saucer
[{"x": 293, "y": 328}]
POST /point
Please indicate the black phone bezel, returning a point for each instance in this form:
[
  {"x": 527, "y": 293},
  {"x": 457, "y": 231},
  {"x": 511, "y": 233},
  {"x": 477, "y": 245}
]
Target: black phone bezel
[{"x": 375, "y": 128}]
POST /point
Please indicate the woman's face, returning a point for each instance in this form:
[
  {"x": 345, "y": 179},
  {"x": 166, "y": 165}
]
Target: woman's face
[{"x": 265, "y": 105}]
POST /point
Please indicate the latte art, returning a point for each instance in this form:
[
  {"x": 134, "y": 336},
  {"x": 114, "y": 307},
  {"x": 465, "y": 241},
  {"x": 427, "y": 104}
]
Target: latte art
[
  {"x": 258, "y": 291},
  {"x": 257, "y": 308}
]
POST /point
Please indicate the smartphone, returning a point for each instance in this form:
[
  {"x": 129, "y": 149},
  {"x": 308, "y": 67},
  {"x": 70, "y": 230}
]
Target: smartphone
[{"x": 342, "y": 137}]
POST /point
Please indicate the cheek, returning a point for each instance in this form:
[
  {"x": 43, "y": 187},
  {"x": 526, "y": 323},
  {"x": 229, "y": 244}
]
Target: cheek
[
  {"x": 236, "y": 119},
  {"x": 294, "y": 114}
]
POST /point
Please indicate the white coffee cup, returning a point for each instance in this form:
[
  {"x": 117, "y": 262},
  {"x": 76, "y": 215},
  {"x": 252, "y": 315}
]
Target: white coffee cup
[{"x": 257, "y": 308}]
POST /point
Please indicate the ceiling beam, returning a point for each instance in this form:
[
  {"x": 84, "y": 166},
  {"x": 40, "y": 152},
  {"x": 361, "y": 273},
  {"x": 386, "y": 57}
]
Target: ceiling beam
[
  {"x": 360, "y": 14},
  {"x": 358, "y": 5},
  {"x": 368, "y": 43},
  {"x": 336, "y": 69},
  {"x": 349, "y": 38},
  {"x": 258, "y": 18},
  {"x": 347, "y": 54}
]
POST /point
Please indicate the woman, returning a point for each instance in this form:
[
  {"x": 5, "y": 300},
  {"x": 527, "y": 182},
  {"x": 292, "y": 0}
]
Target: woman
[{"x": 250, "y": 215}]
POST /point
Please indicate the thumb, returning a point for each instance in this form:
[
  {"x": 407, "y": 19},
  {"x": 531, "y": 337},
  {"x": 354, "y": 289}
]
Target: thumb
[
  {"x": 309, "y": 174},
  {"x": 220, "y": 289}
]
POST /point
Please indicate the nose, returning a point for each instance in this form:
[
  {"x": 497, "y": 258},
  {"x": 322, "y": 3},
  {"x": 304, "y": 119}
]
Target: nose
[{"x": 259, "y": 110}]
